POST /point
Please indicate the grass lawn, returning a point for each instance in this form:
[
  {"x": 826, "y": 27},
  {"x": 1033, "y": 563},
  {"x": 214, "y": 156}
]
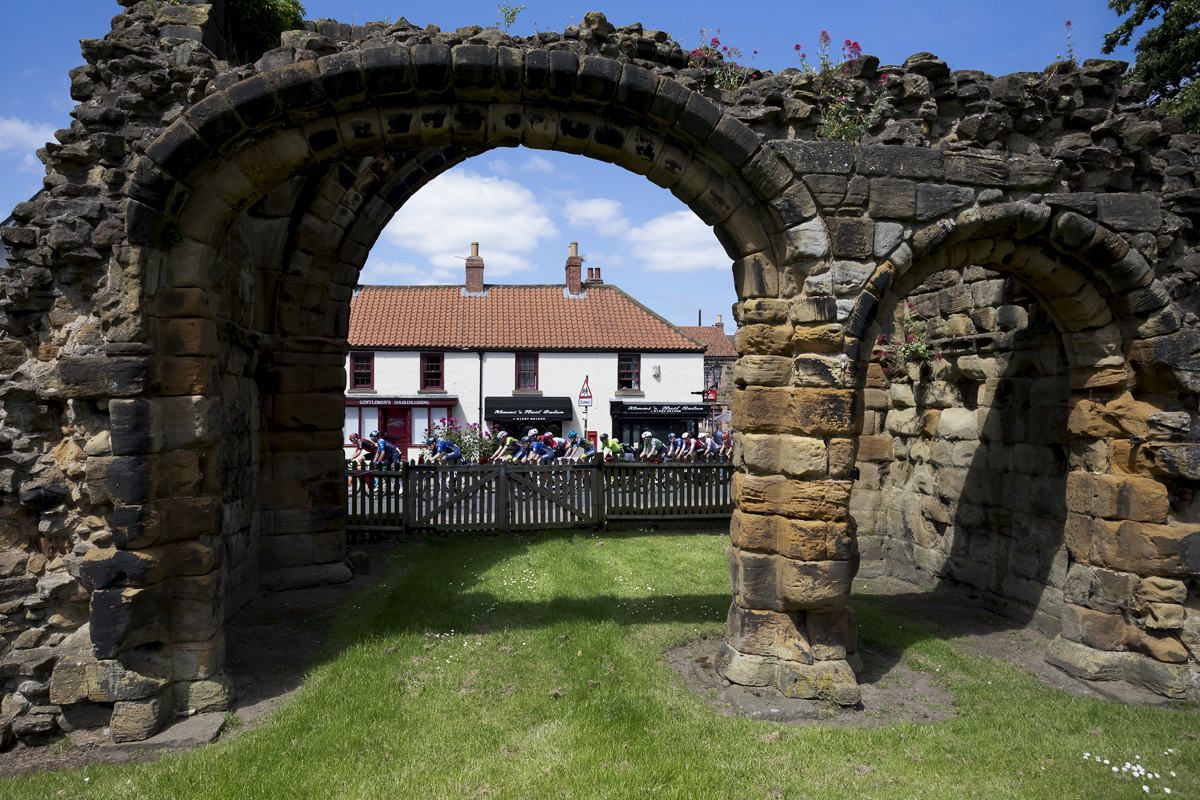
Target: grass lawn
[{"x": 532, "y": 667}]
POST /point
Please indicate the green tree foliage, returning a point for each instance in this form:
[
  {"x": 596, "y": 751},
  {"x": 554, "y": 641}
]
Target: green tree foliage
[
  {"x": 1168, "y": 55},
  {"x": 257, "y": 24}
]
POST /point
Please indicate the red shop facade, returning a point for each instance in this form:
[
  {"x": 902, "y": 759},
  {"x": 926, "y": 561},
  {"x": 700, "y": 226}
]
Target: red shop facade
[{"x": 404, "y": 421}]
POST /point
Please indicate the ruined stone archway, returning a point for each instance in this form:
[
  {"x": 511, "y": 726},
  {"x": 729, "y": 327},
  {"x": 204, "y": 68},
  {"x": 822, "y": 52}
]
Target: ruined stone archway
[{"x": 175, "y": 380}]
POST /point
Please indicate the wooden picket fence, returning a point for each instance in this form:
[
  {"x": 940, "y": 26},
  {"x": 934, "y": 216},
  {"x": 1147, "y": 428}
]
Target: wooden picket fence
[{"x": 501, "y": 498}]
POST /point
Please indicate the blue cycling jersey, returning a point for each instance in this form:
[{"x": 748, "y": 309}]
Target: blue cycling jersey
[{"x": 449, "y": 450}]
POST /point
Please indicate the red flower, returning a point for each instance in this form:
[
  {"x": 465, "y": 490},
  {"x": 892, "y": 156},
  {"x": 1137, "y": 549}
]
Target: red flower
[
  {"x": 715, "y": 41},
  {"x": 797, "y": 47}
]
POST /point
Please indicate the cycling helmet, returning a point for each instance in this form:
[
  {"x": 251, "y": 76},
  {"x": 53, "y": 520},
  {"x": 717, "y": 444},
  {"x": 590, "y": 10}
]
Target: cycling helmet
[
  {"x": 572, "y": 435},
  {"x": 354, "y": 437},
  {"x": 670, "y": 436},
  {"x": 525, "y": 439},
  {"x": 604, "y": 437},
  {"x": 500, "y": 434},
  {"x": 431, "y": 441},
  {"x": 531, "y": 432},
  {"x": 687, "y": 435},
  {"x": 374, "y": 434},
  {"x": 645, "y": 434}
]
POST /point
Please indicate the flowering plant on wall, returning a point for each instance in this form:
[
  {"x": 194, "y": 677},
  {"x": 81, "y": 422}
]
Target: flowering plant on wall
[
  {"x": 720, "y": 61},
  {"x": 908, "y": 345},
  {"x": 835, "y": 87}
]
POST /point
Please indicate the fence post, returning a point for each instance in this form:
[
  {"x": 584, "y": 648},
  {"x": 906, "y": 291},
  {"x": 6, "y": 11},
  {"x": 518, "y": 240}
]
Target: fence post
[
  {"x": 405, "y": 493},
  {"x": 599, "y": 494},
  {"x": 502, "y": 504}
]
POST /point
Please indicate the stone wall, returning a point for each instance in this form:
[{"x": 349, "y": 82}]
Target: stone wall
[
  {"x": 173, "y": 325},
  {"x": 963, "y": 460}
]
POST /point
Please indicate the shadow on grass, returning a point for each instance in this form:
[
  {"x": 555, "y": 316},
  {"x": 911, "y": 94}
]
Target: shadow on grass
[{"x": 432, "y": 586}]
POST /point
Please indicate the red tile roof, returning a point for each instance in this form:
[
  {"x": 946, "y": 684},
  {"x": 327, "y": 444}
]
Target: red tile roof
[
  {"x": 510, "y": 318},
  {"x": 719, "y": 345}
]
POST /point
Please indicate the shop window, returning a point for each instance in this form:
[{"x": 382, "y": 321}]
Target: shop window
[
  {"x": 527, "y": 371},
  {"x": 431, "y": 371},
  {"x": 629, "y": 372},
  {"x": 362, "y": 370}
]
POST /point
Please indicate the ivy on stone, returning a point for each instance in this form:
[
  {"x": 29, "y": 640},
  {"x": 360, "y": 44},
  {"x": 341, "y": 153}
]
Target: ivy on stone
[
  {"x": 258, "y": 24},
  {"x": 1168, "y": 55}
]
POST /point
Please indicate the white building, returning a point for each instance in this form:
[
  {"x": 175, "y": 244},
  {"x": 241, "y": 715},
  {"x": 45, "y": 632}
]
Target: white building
[{"x": 517, "y": 357}]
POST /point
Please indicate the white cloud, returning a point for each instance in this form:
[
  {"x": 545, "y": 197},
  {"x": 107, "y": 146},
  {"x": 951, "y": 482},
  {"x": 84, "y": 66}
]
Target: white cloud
[
  {"x": 18, "y": 134},
  {"x": 25, "y": 138},
  {"x": 677, "y": 242},
  {"x": 599, "y": 213},
  {"x": 392, "y": 272},
  {"x": 538, "y": 164},
  {"x": 499, "y": 167},
  {"x": 461, "y": 207}
]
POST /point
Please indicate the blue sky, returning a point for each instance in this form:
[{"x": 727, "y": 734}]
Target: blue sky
[{"x": 525, "y": 206}]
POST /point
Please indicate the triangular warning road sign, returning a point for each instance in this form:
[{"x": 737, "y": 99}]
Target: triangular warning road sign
[{"x": 585, "y": 393}]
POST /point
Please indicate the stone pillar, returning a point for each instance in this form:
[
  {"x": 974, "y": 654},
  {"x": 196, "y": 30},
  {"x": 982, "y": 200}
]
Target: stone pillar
[
  {"x": 1126, "y": 614},
  {"x": 794, "y": 549}
]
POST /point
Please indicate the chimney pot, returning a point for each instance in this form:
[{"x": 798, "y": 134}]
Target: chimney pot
[
  {"x": 574, "y": 251},
  {"x": 719, "y": 323},
  {"x": 474, "y": 249}
]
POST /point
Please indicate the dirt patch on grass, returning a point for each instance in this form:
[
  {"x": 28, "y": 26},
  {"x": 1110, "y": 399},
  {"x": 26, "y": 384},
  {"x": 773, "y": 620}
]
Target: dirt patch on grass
[{"x": 892, "y": 691}]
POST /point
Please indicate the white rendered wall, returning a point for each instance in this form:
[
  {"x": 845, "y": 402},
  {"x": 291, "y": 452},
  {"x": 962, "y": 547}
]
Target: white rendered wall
[{"x": 397, "y": 373}]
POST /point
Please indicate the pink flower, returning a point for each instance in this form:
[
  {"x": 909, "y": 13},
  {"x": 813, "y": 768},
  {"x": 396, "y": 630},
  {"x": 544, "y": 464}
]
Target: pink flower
[
  {"x": 937, "y": 356},
  {"x": 715, "y": 41},
  {"x": 1068, "y": 23},
  {"x": 883, "y": 77},
  {"x": 797, "y": 47}
]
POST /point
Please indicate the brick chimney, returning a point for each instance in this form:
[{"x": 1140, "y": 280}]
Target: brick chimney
[
  {"x": 474, "y": 271},
  {"x": 574, "y": 270}
]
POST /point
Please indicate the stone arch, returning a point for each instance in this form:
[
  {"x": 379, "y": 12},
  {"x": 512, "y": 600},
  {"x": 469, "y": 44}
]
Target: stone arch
[
  {"x": 1100, "y": 297},
  {"x": 249, "y": 316}
]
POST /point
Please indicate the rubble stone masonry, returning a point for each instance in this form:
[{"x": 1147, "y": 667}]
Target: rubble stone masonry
[{"x": 173, "y": 324}]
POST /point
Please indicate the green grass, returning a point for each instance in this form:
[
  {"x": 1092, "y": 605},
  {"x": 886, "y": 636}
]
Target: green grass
[{"x": 567, "y": 695}]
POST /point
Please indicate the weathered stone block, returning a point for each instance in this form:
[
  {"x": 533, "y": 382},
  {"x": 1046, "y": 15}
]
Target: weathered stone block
[
  {"x": 133, "y": 721},
  {"x": 1145, "y": 549},
  {"x": 892, "y": 199},
  {"x": 798, "y": 456},
  {"x": 1129, "y": 211},
  {"x": 824, "y": 500},
  {"x": 762, "y": 371},
  {"x": 1094, "y": 629},
  {"x": 824, "y": 680},
  {"x": 744, "y": 669},
  {"x": 767, "y": 633}
]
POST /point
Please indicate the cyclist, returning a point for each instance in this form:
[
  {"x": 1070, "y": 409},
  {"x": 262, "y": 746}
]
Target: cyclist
[
  {"x": 687, "y": 448},
  {"x": 364, "y": 451},
  {"x": 651, "y": 446},
  {"x": 541, "y": 452},
  {"x": 520, "y": 451},
  {"x": 361, "y": 458},
  {"x": 443, "y": 452},
  {"x": 386, "y": 453},
  {"x": 612, "y": 447},
  {"x": 579, "y": 448},
  {"x": 672, "y": 452},
  {"x": 508, "y": 445},
  {"x": 710, "y": 448}
]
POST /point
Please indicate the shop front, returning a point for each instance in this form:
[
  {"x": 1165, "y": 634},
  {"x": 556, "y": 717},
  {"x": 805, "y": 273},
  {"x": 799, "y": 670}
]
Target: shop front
[
  {"x": 629, "y": 420},
  {"x": 404, "y": 421},
  {"x": 515, "y": 414}
]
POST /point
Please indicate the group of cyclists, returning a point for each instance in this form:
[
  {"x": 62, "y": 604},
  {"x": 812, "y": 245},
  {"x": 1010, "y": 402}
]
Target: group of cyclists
[{"x": 546, "y": 448}]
